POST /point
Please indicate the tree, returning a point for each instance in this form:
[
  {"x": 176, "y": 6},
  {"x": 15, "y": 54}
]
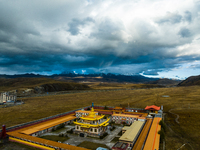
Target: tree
[
  {"x": 106, "y": 108},
  {"x": 162, "y": 135},
  {"x": 163, "y": 125}
]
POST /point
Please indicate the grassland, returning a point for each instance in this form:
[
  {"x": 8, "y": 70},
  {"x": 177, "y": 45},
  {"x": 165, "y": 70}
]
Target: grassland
[
  {"x": 115, "y": 85},
  {"x": 184, "y": 101}
]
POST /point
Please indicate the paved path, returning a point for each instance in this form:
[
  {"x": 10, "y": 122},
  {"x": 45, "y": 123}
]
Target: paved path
[
  {"x": 76, "y": 140},
  {"x": 177, "y": 116},
  {"x": 176, "y": 120},
  {"x": 68, "y": 127}
]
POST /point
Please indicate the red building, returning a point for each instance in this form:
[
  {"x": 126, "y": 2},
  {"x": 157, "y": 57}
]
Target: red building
[{"x": 152, "y": 109}]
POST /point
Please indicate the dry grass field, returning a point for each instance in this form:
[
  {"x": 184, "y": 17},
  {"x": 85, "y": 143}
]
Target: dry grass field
[
  {"x": 115, "y": 85},
  {"x": 184, "y": 101}
]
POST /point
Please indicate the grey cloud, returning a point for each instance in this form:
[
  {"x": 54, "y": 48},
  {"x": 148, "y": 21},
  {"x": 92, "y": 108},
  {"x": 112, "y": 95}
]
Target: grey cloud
[
  {"x": 184, "y": 32},
  {"x": 197, "y": 66},
  {"x": 46, "y": 35},
  {"x": 188, "y": 16},
  {"x": 172, "y": 18},
  {"x": 75, "y": 23},
  {"x": 107, "y": 29},
  {"x": 73, "y": 27},
  {"x": 150, "y": 72}
]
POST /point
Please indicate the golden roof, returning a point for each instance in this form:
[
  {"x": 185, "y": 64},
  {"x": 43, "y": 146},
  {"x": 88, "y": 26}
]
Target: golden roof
[
  {"x": 105, "y": 123},
  {"x": 153, "y": 138},
  {"x": 44, "y": 141},
  {"x": 118, "y": 108},
  {"x": 83, "y": 111},
  {"x": 47, "y": 124},
  {"x": 92, "y": 117},
  {"x": 18, "y": 133}
]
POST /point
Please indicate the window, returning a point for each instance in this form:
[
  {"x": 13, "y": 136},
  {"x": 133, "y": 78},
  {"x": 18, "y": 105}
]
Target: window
[
  {"x": 77, "y": 127},
  {"x": 95, "y": 130}
]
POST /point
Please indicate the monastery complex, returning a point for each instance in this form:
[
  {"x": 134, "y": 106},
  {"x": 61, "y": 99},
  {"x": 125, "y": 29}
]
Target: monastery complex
[{"x": 139, "y": 132}]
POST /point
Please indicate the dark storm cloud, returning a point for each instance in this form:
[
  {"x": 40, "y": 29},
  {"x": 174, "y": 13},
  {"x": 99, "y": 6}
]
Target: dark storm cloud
[{"x": 58, "y": 35}]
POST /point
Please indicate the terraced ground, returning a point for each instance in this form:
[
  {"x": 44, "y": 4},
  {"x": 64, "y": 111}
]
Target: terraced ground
[{"x": 184, "y": 100}]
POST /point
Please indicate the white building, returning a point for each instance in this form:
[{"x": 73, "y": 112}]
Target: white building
[
  {"x": 82, "y": 112},
  {"x": 6, "y": 97}
]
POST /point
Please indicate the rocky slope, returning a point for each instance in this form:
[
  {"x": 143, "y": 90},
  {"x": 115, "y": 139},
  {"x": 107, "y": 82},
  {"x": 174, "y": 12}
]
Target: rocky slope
[{"x": 193, "y": 80}]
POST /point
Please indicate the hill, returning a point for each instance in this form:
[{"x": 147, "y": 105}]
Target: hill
[
  {"x": 166, "y": 82},
  {"x": 193, "y": 80},
  {"x": 87, "y": 77},
  {"x": 38, "y": 85},
  {"x": 105, "y": 78}
]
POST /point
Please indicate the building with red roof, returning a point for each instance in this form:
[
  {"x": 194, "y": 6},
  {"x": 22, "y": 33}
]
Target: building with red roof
[{"x": 153, "y": 109}]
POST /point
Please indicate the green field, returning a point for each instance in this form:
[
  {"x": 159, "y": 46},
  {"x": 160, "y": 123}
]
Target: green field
[{"x": 185, "y": 101}]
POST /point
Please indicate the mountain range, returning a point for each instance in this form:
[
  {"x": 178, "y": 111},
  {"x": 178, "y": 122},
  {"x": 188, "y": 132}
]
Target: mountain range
[{"x": 94, "y": 78}]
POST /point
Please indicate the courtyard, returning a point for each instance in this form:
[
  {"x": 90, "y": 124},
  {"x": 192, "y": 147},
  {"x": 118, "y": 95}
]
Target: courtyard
[{"x": 76, "y": 140}]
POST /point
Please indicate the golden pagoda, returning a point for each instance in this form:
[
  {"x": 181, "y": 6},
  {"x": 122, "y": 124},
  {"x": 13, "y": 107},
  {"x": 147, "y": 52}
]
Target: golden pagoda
[{"x": 92, "y": 124}]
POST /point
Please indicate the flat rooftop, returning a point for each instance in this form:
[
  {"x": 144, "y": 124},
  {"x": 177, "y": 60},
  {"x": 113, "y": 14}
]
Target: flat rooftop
[
  {"x": 153, "y": 138},
  {"x": 44, "y": 141},
  {"x": 125, "y": 115},
  {"x": 132, "y": 132}
]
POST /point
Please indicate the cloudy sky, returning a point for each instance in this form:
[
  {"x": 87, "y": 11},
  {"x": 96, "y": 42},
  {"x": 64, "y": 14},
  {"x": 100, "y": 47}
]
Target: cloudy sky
[{"x": 158, "y": 38}]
